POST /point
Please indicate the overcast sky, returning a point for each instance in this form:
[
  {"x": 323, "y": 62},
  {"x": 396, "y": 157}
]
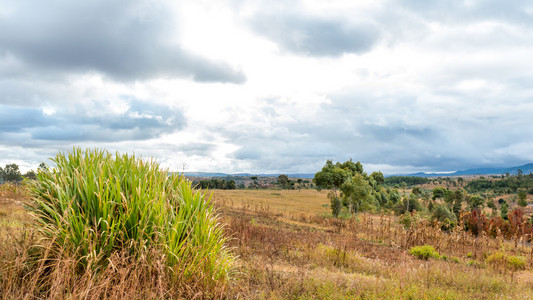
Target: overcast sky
[{"x": 270, "y": 86}]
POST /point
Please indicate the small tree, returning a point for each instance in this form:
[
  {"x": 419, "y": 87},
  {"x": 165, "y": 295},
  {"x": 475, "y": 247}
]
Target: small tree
[
  {"x": 522, "y": 198},
  {"x": 504, "y": 210}
]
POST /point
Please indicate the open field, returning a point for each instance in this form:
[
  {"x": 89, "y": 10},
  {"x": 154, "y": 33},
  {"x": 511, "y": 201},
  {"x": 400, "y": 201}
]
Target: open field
[
  {"x": 288, "y": 249},
  {"x": 287, "y": 253}
]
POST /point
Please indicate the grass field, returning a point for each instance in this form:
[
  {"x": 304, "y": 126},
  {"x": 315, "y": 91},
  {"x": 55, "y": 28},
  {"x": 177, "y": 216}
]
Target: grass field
[{"x": 288, "y": 248}]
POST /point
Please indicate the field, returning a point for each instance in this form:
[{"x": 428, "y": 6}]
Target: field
[
  {"x": 287, "y": 253},
  {"x": 288, "y": 247}
]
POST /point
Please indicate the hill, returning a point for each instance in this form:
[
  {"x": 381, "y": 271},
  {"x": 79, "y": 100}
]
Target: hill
[{"x": 526, "y": 169}]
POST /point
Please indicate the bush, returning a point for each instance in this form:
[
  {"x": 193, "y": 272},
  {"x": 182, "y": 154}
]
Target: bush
[
  {"x": 93, "y": 205},
  {"x": 442, "y": 214},
  {"x": 424, "y": 252}
]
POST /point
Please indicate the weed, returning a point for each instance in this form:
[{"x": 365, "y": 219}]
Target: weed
[{"x": 424, "y": 252}]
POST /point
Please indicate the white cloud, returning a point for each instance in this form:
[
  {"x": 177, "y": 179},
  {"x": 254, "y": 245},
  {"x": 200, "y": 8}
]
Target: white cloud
[{"x": 257, "y": 86}]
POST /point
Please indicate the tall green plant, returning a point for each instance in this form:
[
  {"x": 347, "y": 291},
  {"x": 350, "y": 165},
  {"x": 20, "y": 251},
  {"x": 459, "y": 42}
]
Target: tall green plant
[{"x": 93, "y": 204}]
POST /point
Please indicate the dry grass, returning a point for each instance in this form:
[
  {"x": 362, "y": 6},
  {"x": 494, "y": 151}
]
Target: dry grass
[
  {"x": 289, "y": 253},
  {"x": 288, "y": 202}
]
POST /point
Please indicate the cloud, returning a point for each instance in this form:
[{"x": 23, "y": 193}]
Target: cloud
[
  {"x": 315, "y": 36},
  {"x": 126, "y": 40},
  {"x": 95, "y": 121}
]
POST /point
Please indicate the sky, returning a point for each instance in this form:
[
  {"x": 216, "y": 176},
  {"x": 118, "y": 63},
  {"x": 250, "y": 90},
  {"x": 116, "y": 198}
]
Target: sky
[{"x": 269, "y": 86}]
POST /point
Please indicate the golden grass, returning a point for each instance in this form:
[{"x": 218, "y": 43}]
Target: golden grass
[
  {"x": 289, "y": 202},
  {"x": 288, "y": 249}
]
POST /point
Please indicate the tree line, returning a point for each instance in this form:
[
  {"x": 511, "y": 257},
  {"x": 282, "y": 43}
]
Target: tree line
[{"x": 12, "y": 173}]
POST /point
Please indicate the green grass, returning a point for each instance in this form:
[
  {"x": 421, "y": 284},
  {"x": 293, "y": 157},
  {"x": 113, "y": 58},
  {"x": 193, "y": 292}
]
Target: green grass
[{"x": 93, "y": 204}]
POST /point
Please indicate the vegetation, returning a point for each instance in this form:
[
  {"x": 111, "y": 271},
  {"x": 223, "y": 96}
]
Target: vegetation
[
  {"x": 424, "y": 252},
  {"x": 94, "y": 206},
  {"x": 508, "y": 185},
  {"x": 358, "y": 191},
  {"x": 408, "y": 180},
  {"x": 285, "y": 243},
  {"x": 215, "y": 183}
]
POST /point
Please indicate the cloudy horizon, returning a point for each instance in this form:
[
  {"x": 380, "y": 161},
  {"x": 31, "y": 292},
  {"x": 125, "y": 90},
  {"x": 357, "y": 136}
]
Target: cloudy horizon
[{"x": 238, "y": 86}]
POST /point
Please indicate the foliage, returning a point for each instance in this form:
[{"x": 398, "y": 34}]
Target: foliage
[
  {"x": 438, "y": 192},
  {"x": 408, "y": 180},
  {"x": 408, "y": 220},
  {"x": 215, "y": 183},
  {"x": 442, "y": 214},
  {"x": 501, "y": 186},
  {"x": 504, "y": 210},
  {"x": 358, "y": 191},
  {"x": 10, "y": 173},
  {"x": 522, "y": 198},
  {"x": 475, "y": 221},
  {"x": 93, "y": 205},
  {"x": 424, "y": 252},
  {"x": 476, "y": 202},
  {"x": 336, "y": 206},
  {"x": 408, "y": 204}
]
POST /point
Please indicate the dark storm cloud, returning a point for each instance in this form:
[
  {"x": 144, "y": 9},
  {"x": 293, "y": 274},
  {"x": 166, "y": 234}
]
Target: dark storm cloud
[
  {"x": 315, "y": 36},
  {"x": 140, "y": 121},
  {"x": 125, "y": 40}
]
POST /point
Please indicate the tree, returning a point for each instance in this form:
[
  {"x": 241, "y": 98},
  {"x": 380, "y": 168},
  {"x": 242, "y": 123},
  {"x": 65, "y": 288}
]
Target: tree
[
  {"x": 444, "y": 216},
  {"x": 504, "y": 210},
  {"x": 438, "y": 192},
  {"x": 42, "y": 167},
  {"x": 331, "y": 177},
  {"x": 254, "y": 183},
  {"x": 12, "y": 173},
  {"x": 357, "y": 193},
  {"x": 1, "y": 175},
  {"x": 300, "y": 182},
  {"x": 522, "y": 198},
  {"x": 476, "y": 201},
  {"x": 461, "y": 181},
  {"x": 492, "y": 205},
  {"x": 378, "y": 177},
  {"x": 416, "y": 190},
  {"x": 284, "y": 182},
  {"x": 30, "y": 175}
]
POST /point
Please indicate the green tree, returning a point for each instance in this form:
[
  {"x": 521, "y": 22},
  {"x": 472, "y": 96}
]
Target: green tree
[
  {"x": 357, "y": 193},
  {"x": 444, "y": 216},
  {"x": 331, "y": 177},
  {"x": 30, "y": 175},
  {"x": 416, "y": 190},
  {"x": 438, "y": 192},
  {"x": 1, "y": 175},
  {"x": 522, "y": 198},
  {"x": 492, "y": 206},
  {"x": 476, "y": 201},
  {"x": 378, "y": 177},
  {"x": 12, "y": 173},
  {"x": 42, "y": 167},
  {"x": 284, "y": 182},
  {"x": 504, "y": 210}
]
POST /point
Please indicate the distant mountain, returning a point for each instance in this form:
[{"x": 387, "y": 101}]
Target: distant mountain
[
  {"x": 209, "y": 174},
  {"x": 526, "y": 169}
]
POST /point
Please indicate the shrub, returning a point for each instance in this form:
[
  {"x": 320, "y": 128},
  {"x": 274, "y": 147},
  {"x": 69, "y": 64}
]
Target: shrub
[
  {"x": 442, "y": 214},
  {"x": 424, "y": 252},
  {"x": 515, "y": 262},
  {"x": 94, "y": 204}
]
